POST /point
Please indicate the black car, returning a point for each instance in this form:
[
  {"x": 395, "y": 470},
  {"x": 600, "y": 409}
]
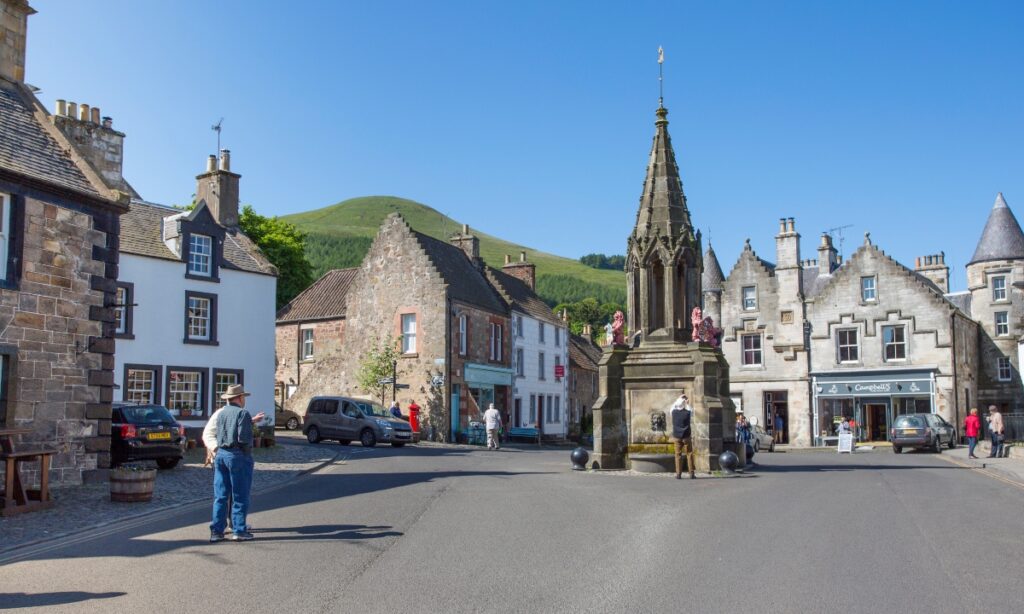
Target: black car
[
  {"x": 922, "y": 431},
  {"x": 145, "y": 432}
]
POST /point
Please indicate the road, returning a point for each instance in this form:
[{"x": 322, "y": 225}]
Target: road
[{"x": 451, "y": 530}]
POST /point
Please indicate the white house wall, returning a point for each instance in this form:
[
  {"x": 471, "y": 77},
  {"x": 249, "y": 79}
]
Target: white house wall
[
  {"x": 245, "y": 329},
  {"x": 531, "y": 382}
]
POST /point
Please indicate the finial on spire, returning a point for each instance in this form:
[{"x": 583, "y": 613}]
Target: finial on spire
[{"x": 661, "y": 86}]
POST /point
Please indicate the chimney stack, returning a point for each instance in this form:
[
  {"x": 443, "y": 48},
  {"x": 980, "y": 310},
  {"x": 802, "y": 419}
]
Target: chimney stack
[
  {"x": 787, "y": 245},
  {"x": 218, "y": 188},
  {"x": 523, "y": 270},
  {"x": 469, "y": 244},
  {"x": 13, "y": 37},
  {"x": 828, "y": 257},
  {"x": 94, "y": 139},
  {"x": 933, "y": 268}
]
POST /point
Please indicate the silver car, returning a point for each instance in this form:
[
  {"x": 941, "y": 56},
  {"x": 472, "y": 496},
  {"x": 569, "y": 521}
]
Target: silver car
[
  {"x": 347, "y": 419},
  {"x": 761, "y": 440}
]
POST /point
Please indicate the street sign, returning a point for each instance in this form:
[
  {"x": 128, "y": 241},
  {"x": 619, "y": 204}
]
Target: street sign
[
  {"x": 559, "y": 370},
  {"x": 386, "y": 381},
  {"x": 401, "y": 386}
]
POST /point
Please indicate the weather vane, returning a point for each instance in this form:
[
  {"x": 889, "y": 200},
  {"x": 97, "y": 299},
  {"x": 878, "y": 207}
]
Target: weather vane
[
  {"x": 661, "y": 85},
  {"x": 216, "y": 128}
]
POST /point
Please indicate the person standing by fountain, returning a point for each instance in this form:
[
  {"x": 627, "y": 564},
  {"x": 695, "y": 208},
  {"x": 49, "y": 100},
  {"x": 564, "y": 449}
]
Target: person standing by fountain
[{"x": 681, "y": 437}]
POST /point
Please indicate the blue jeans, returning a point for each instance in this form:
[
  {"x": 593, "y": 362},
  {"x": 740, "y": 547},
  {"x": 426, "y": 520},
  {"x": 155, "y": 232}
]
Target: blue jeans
[
  {"x": 232, "y": 477},
  {"x": 997, "y": 445},
  {"x": 971, "y": 442}
]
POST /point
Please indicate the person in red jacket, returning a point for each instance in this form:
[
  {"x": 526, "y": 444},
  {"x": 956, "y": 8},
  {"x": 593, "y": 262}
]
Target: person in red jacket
[{"x": 972, "y": 425}]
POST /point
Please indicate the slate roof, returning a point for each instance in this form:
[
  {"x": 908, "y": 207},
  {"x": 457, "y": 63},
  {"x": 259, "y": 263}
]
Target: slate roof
[
  {"x": 584, "y": 352},
  {"x": 962, "y": 301},
  {"x": 142, "y": 229},
  {"x": 465, "y": 282},
  {"x": 814, "y": 281},
  {"x": 520, "y": 297},
  {"x": 324, "y": 300},
  {"x": 27, "y": 148},
  {"x": 712, "y": 278},
  {"x": 1002, "y": 238}
]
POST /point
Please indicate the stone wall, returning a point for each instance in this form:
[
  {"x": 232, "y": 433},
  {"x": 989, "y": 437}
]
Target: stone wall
[
  {"x": 13, "y": 27},
  {"x": 396, "y": 277},
  {"x": 291, "y": 368},
  {"x": 478, "y": 349},
  {"x": 63, "y": 335},
  {"x": 993, "y": 347}
]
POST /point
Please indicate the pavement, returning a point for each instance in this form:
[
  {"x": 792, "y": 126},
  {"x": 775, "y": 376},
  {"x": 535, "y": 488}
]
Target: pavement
[
  {"x": 446, "y": 529},
  {"x": 82, "y": 508}
]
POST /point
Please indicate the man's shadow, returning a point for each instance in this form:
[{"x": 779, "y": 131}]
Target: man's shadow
[{"x": 27, "y": 600}]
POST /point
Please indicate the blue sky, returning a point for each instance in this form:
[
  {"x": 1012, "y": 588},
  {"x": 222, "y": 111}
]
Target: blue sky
[{"x": 533, "y": 120}]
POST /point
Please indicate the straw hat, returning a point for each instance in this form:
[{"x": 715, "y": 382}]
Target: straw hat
[{"x": 233, "y": 391}]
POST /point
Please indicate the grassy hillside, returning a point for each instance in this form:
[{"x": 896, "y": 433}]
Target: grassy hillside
[{"x": 340, "y": 234}]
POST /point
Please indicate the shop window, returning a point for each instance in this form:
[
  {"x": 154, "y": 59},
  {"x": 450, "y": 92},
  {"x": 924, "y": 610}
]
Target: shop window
[
  {"x": 867, "y": 290},
  {"x": 846, "y": 344},
  {"x": 830, "y": 414},
  {"x": 999, "y": 288},
  {"x": 749, "y": 298},
  {"x": 751, "y": 349},
  {"x": 1005, "y": 370},
  {"x": 408, "y": 333},
  {"x": 1002, "y": 323},
  {"x": 894, "y": 342}
]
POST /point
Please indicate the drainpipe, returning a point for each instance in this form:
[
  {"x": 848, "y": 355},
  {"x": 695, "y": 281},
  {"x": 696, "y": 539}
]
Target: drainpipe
[
  {"x": 447, "y": 388},
  {"x": 813, "y": 428},
  {"x": 956, "y": 392}
]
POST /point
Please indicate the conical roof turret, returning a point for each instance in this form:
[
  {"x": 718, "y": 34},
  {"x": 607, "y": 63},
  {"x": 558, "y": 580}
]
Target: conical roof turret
[
  {"x": 712, "y": 277},
  {"x": 1002, "y": 238},
  {"x": 662, "y": 205}
]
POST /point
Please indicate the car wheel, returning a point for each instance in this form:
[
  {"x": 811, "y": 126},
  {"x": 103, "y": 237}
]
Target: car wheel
[
  {"x": 757, "y": 446},
  {"x": 937, "y": 445},
  {"x": 952, "y": 442},
  {"x": 167, "y": 463},
  {"x": 292, "y": 423},
  {"x": 771, "y": 447},
  {"x": 367, "y": 438},
  {"x": 897, "y": 449},
  {"x": 313, "y": 435},
  {"x": 398, "y": 444},
  {"x": 344, "y": 442}
]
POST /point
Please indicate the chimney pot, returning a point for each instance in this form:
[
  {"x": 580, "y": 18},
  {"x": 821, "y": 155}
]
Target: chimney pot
[
  {"x": 782, "y": 224},
  {"x": 108, "y": 123},
  {"x": 225, "y": 159},
  {"x": 211, "y": 163},
  {"x": 508, "y": 259},
  {"x": 72, "y": 110},
  {"x": 83, "y": 112},
  {"x": 791, "y": 225},
  {"x": 94, "y": 117},
  {"x": 522, "y": 256},
  {"x": 917, "y": 262},
  {"x": 465, "y": 229},
  {"x": 62, "y": 107}
]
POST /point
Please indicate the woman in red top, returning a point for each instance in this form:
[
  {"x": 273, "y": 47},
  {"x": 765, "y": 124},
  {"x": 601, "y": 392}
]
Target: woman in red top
[{"x": 972, "y": 424}]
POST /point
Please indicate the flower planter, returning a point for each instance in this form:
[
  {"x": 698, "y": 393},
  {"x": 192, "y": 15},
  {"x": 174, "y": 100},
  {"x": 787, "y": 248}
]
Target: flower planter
[{"x": 128, "y": 486}]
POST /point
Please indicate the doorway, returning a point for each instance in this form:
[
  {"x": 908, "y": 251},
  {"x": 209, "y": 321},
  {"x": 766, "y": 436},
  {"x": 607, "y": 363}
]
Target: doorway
[
  {"x": 876, "y": 421},
  {"x": 776, "y": 415}
]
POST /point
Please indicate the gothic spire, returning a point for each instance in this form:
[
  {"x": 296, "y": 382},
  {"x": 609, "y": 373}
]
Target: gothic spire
[
  {"x": 663, "y": 204},
  {"x": 1002, "y": 238}
]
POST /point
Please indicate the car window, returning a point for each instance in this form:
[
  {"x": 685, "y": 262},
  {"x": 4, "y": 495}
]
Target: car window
[
  {"x": 351, "y": 410},
  {"x": 147, "y": 414},
  {"x": 372, "y": 409},
  {"x": 330, "y": 406},
  {"x": 910, "y": 422}
]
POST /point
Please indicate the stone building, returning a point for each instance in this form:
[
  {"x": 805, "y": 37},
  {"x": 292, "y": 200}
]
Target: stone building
[
  {"x": 584, "y": 356},
  {"x": 418, "y": 291},
  {"x": 540, "y": 352},
  {"x": 869, "y": 338},
  {"x": 310, "y": 325},
  {"x": 61, "y": 198},
  {"x": 196, "y": 302}
]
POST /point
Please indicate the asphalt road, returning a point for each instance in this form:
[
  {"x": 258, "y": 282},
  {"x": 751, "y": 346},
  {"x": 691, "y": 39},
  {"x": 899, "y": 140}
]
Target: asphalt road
[{"x": 442, "y": 530}]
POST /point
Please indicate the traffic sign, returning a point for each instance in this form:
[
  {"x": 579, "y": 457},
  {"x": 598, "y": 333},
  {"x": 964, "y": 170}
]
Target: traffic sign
[
  {"x": 401, "y": 386},
  {"x": 386, "y": 381}
]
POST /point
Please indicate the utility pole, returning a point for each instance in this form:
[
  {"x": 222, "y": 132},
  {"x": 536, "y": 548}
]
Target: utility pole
[{"x": 394, "y": 380}]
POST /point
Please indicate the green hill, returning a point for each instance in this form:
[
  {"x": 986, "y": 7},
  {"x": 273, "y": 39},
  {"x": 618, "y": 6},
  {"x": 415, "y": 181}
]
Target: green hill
[{"x": 340, "y": 235}]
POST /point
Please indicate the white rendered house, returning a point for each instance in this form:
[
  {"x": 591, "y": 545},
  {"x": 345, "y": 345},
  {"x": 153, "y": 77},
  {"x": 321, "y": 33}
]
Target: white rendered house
[
  {"x": 540, "y": 353},
  {"x": 195, "y": 305}
]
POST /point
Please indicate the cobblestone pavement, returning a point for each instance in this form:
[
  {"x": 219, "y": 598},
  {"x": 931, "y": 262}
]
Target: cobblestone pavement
[{"x": 79, "y": 508}]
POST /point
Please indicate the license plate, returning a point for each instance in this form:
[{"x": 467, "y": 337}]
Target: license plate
[
  {"x": 403, "y": 435},
  {"x": 156, "y": 436},
  {"x": 910, "y": 431}
]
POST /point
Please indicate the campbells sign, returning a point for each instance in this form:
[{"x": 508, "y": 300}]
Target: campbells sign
[{"x": 865, "y": 388}]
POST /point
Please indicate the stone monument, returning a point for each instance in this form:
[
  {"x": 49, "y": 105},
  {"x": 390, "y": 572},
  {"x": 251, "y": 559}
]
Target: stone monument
[{"x": 666, "y": 355}]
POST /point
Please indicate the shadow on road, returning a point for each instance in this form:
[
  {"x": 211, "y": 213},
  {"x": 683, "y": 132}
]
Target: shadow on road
[
  {"x": 856, "y": 467},
  {"x": 324, "y": 532},
  {"x": 26, "y": 600}
]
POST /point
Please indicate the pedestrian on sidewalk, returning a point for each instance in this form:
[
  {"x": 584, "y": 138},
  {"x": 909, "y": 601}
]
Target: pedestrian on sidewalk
[
  {"x": 232, "y": 466},
  {"x": 209, "y": 438},
  {"x": 492, "y": 422},
  {"x": 972, "y": 424},
  {"x": 681, "y": 436},
  {"x": 996, "y": 431},
  {"x": 396, "y": 410}
]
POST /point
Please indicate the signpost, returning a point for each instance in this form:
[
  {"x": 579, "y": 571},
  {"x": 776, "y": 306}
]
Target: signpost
[{"x": 845, "y": 443}]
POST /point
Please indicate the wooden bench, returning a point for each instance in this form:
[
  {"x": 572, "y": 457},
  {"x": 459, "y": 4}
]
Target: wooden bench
[
  {"x": 15, "y": 498},
  {"x": 525, "y": 432}
]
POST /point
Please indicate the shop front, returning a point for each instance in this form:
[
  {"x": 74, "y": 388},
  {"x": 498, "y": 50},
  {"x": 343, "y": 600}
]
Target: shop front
[
  {"x": 483, "y": 385},
  {"x": 869, "y": 401}
]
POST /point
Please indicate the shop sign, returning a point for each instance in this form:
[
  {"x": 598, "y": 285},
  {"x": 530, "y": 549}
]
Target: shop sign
[{"x": 864, "y": 388}]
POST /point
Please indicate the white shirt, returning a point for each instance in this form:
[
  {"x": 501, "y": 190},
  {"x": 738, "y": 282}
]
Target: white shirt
[
  {"x": 210, "y": 431},
  {"x": 492, "y": 418},
  {"x": 680, "y": 404}
]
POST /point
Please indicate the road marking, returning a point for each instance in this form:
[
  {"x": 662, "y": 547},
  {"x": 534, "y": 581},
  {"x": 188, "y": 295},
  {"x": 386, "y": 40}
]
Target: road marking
[{"x": 987, "y": 472}]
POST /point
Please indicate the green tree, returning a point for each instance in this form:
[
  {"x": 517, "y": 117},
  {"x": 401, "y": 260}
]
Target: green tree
[
  {"x": 284, "y": 246},
  {"x": 376, "y": 364}
]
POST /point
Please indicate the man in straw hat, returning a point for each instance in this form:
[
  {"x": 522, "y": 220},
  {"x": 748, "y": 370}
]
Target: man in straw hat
[{"x": 232, "y": 465}]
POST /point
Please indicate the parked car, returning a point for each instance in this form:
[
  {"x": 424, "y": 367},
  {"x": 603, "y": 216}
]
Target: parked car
[
  {"x": 762, "y": 440},
  {"x": 347, "y": 419},
  {"x": 921, "y": 431},
  {"x": 145, "y": 432},
  {"x": 286, "y": 418}
]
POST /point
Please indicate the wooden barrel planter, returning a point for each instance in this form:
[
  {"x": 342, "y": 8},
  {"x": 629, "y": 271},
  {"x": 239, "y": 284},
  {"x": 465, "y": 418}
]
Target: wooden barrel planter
[{"x": 132, "y": 486}]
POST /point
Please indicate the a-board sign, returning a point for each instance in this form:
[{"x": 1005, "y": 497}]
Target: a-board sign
[{"x": 845, "y": 443}]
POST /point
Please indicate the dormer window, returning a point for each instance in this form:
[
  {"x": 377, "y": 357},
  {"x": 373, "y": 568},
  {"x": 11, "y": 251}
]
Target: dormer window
[{"x": 200, "y": 255}]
